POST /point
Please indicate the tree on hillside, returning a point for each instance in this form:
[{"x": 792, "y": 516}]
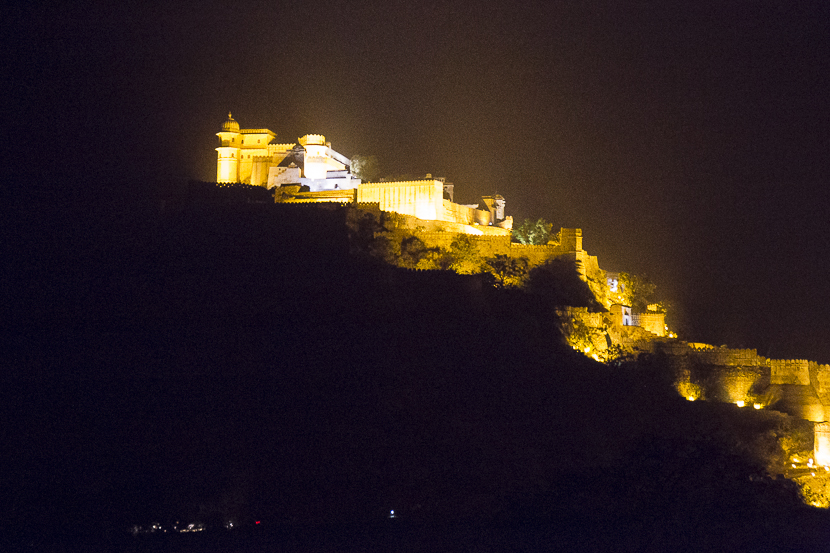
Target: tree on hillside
[
  {"x": 414, "y": 251},
  {"x": 366, "y": 167},
  {"x": 638, "y": 290},
  {"x": 462, "y": 257},
  {"x": 363, "y": 228},
  {"x": 507, "y": 270},
  {"x": 558, "y": 280},
  {"x": 535, "y": 233}
]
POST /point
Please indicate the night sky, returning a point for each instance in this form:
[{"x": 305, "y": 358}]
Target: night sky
[{"x": 689, "y": 142}]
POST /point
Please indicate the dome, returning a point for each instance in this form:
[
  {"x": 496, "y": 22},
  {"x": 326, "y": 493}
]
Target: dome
[{"x": 230, "y": 125}]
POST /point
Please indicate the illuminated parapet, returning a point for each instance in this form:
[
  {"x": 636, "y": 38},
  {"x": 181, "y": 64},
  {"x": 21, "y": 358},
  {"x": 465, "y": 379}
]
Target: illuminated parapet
[
  {"x": 466, "y": 214},
  {"x": 790, "y": 371},
  {"x": 653, "y": 322},
  {"x": 820, "y": 376},
  {"x": 821, "y": 443},
  {"x": 312, "y": 140},
  {"x": 253, "y": 155},
  {"x": 726, "y": 357},
  {"x": 571, "y": 239},
  {"x": 423, "y": 199}
]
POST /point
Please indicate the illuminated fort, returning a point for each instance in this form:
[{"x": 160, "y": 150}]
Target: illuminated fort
[{"x": 311, "y": 171}]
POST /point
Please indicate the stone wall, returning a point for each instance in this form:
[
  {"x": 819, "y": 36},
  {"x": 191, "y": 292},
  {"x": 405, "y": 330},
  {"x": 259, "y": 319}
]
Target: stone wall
[
  {"x": 798, "y": 387},
  {"x": 423, "y": 199},
  {"x": 821, "y": 441},
  {"x": 820, "y": 377},
  {"x": 790, "y": 371},
  {"x": 489, "y": 246},
  {"x": 458, "y": 213},
  {"x": 289, "y": 195},
  {"x": 729, "y": 357},
  {"x": 653, "y": 322},
  {"x": 536, "y": 255},
  {"x": 466, "y": 215}
]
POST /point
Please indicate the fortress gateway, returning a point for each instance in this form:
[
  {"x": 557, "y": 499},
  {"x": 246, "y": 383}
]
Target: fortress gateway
[{"x": 310, "y": 171}]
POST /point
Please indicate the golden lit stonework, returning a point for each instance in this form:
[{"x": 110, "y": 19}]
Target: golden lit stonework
[{"x": 311, "y": 171}]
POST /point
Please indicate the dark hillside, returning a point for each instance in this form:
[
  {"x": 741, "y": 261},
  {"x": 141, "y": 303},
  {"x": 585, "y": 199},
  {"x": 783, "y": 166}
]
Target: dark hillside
[{"x": 216, "y": 362}]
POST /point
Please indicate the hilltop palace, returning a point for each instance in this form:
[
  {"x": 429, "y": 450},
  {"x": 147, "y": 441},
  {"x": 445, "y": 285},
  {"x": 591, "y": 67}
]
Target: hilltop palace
[{"x": 310, "y": 171}]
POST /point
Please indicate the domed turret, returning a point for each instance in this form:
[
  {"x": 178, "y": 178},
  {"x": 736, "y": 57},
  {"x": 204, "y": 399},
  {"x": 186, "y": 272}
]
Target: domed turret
[
  {"x": 230, "y": 125},
  {"x": 227, "y": 167}
]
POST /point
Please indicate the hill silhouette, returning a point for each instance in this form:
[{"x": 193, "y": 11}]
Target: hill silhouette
[{"x": 219, "y": 360}]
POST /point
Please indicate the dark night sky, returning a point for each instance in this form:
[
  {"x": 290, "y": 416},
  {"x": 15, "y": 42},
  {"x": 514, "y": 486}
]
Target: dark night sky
[{"x": 689, "y": 142}]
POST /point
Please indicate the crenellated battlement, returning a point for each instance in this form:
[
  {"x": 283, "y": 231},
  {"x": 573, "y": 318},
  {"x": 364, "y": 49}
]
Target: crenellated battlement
[
  {"x": 312, "y": 140},
  {"x": 790, "y": 371},
  {"x": 729, "y": 357}
]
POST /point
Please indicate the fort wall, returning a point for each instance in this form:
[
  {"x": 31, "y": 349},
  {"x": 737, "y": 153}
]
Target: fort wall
[
  {"x": 536, "y": 255},
  {"x": 466, "y": 215},
  {"x": 820, "y": 377},
  {"x": 423, "y": 199},
  {"x": 821, "y": 441},
  {"x": 790, "y": 371},
  {"x": 653, "y": 322},
  {"x": 729, "y": 357}
]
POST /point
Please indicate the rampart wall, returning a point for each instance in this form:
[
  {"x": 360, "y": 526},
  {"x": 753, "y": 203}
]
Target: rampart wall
[
  {"x": 536, "y": 255},
  {"x": 821, "y": 441},
  {"x": 595, "y": 320},
  {"x": 798, "y": 387},
  {"x": 790, "y": 371},
  {"x": 729, "y": 357},
  {"x": 422, "y": 198},
  {"x": 820, "y": 377},
  {"x": 653, "y": 322},
  {"x": 463, "y": 214}
]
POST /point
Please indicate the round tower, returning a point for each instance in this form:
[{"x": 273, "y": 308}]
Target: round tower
[
  {"x": 230, "y": 140},
  {"x": 821, "y": 441},
  {"x": 315, "y": 163}
]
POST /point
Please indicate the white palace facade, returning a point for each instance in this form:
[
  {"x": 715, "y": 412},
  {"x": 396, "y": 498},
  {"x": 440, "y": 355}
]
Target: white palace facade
[{"x": 310, "y": 171}]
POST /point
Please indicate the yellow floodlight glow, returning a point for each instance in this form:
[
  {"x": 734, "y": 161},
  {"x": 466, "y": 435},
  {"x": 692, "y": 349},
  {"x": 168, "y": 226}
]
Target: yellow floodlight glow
[
  {"x": 740, "y": 403},
  {"x": 688, "y": 390},
  {"x": 757, "y": 406}
]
